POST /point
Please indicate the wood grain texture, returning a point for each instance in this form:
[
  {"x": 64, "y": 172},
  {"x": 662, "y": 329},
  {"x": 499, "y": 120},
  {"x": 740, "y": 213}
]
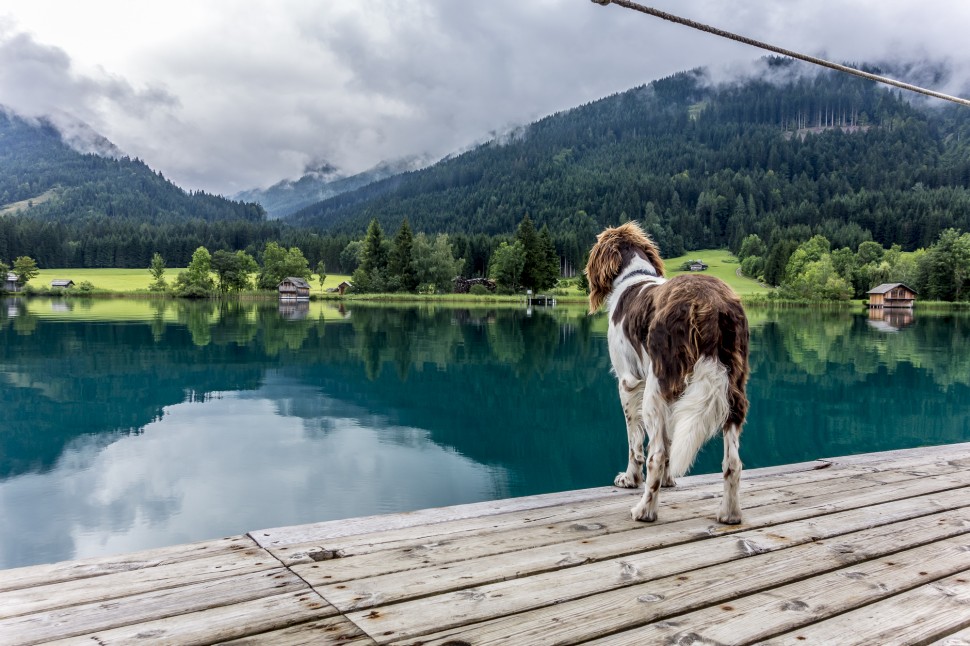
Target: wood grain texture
[
  {"x": 145, "y": 607},
  {"x": 786, "y": 608},
  {"x": 26, "y": 577},
  {"x": 255, "y": 621},
  {"x": 931, "y": 611},
  {"x": 556, "y": 610}
]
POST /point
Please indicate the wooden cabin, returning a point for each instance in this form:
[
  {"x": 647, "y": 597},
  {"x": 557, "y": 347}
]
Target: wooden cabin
[
  {"x": 892, "y": 295},
  {"x": 343, "y": 287},
  {"x": 63, "y": 283},
  {"x": 293, "y": 289},
  {"x": 697, "y": 265},
  {"x": 11, "y": 284}
]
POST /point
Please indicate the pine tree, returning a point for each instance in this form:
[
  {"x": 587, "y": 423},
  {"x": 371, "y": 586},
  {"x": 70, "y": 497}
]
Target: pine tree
[
  {"x": 527, "y": 235},
  {"x": 371, "y": 275},
  {"x": 547, "y": 261},
  {"x": 399, "y": 267}
]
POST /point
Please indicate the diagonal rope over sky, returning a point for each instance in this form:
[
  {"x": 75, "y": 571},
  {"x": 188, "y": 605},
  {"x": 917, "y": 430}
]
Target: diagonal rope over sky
[{"x": 780, "y": 50}]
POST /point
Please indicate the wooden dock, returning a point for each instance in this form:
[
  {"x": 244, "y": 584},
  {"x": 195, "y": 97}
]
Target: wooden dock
[{"x": 871, "y": 549}]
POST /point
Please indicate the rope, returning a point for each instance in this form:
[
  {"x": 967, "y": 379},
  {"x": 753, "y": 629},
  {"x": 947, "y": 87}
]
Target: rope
[{"x": 779, "y": 50}]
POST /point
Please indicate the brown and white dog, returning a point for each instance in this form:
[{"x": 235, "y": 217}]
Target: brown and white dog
[{"x": 679, "y": 349}]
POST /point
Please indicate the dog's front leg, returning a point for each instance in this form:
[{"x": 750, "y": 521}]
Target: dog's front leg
[
  {"x": 631, "y": 398},
  {"x": 655, "y": 419}
]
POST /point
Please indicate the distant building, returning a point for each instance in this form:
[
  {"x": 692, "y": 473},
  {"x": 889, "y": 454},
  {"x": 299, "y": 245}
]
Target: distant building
[
  {"x": 697, "y": 265},
  {"x": 11, "y": 284},
  {"x": 293, "y": 289},
  {"x": 343, "y": 287},
  {"x": 892, "y": 295},
  {"x": 63, "y": 283}
]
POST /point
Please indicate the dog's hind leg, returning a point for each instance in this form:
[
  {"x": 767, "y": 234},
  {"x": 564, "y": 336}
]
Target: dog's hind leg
[
  {"x": 655, "y": 419},
  {"x": 631, "y": 398},
  {"x": 730, "y": 511}
]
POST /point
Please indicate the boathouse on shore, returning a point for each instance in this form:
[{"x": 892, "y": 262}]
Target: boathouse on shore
[
  {"x": 292, "y": 288},
  {"x": 892, "y": 295},
  {"x": 11, "y": 284}
]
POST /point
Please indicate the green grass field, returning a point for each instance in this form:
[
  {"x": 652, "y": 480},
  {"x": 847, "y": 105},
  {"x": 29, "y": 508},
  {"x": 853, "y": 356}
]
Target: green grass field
[
  {"x": 114, "y": 280},
  {"x": 134, "y": 280},
  {"x": 722, "y": 264}
]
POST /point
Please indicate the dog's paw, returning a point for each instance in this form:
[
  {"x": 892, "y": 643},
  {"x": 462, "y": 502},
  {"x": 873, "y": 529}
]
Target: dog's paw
[
  {"x": 626, "y": 481},
  {"x": 729, "y": 517},
  {"x": 643, "y": 513}
]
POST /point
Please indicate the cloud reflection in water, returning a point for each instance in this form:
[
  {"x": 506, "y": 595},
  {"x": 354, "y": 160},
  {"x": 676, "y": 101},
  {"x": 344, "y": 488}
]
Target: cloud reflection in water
[{"x": 233, "y": 463}]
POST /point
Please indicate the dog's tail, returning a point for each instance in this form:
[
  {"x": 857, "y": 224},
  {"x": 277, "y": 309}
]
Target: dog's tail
[{"x": 698, "y": 413}]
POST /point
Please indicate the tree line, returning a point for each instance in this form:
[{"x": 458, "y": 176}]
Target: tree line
[{"x": 815, "y": 270}]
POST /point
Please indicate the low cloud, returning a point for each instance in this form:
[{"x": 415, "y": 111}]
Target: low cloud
[
  {"x": 38, "y": 80},
  {"x": 229, "y": 98}
]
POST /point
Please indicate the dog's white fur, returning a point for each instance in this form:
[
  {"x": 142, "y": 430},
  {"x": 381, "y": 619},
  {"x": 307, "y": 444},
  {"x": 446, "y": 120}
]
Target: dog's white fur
[{"x": 676, "y": 430}]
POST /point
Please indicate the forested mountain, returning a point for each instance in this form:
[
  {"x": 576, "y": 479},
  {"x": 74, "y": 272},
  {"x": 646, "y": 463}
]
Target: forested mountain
[
  {"x": 66, "y": 208},
  {"x": 786, "y": 155},
  {"x": 700, "y": 166},
  {"x": 318, "y": 184}
]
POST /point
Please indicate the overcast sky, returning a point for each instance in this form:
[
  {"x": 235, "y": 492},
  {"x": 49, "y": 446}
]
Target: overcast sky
[{"x": 226, "y": 95}]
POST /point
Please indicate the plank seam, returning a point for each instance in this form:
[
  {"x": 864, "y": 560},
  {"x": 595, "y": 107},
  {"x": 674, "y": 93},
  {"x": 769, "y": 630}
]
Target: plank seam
[{"x": 340, "y": 613}]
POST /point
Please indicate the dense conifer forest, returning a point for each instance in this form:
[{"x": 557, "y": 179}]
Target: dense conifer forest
[
  {"x": 701, "y": 167},
  {"x": 786, "y": 155}
]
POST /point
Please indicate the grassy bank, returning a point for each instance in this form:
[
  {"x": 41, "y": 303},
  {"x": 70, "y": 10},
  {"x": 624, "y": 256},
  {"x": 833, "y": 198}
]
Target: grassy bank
[{"x": 132, "y": 281}]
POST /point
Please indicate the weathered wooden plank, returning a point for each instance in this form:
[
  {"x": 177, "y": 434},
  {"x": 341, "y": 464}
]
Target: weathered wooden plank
[
  {"x": 251, "y": 622},
  {"x": 959, "y": 638},
  {"x": 26, "y": 577},
  {"x": 552, "y": 610},
  {"x": 790, "y": 607},
  {"x": 100, "y": 616},
  {"x": 611, "y": 515},
  {"x": 926, "y": 613},
  {"x": 125, "y": 584},
  {"x": 391, "y": 588},
  {"x": 946, "y": 451},
  {"x": 335, "y": 630}
]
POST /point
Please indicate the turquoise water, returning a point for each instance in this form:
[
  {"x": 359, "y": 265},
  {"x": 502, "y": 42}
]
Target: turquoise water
[{"x": 126, "y": 425}]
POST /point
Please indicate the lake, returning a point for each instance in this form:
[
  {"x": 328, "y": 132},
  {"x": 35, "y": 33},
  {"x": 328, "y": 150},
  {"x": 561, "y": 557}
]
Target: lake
[{"x": 127, "y": 425}]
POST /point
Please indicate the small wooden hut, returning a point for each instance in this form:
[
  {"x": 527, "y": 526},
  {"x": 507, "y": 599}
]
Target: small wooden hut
[
  {"x": 892, "y": 295},
  {"x": 63, "y": 283},
  {"x": 343, "y": 287},
  {"x": 292, "y": 288},
  {"x": 11, "y": 284}
]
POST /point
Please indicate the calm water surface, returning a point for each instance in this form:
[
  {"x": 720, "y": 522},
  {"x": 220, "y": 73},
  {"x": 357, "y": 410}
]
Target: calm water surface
[{"x": 126, "y": 425}]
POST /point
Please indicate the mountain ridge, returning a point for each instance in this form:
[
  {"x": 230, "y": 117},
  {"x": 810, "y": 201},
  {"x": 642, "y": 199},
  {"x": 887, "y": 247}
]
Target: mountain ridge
[{"x": 320, "y": 183}]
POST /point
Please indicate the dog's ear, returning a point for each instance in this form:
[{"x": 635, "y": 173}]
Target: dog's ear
[{"x": 603, "y": 266}]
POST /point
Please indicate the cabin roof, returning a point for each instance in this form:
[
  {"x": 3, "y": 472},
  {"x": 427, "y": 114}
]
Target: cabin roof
[
  {"x": 885, "y": 288},
  {"x": 299, "y": 282},
  {"x": 61, "y": 282},
  {"x": 11, "y": 277}
]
